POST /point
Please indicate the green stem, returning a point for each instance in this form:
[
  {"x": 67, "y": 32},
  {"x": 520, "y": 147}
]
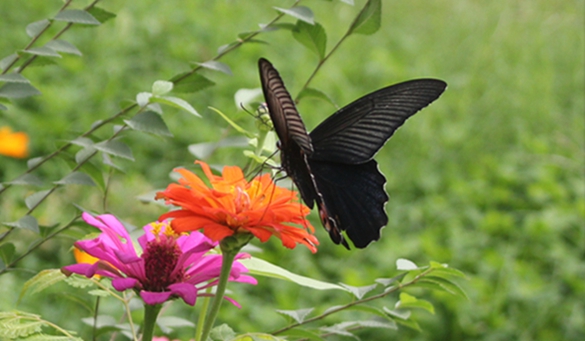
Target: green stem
[
  {"x": 229, "y": 249},
  {"x": 202, "y": 316},
  {"x": 150, "y": 314}
]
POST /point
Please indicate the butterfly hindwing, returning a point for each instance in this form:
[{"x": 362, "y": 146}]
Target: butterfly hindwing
[
  {"x": 356, "y": 132},
  {"x": 354, "y": 197}
]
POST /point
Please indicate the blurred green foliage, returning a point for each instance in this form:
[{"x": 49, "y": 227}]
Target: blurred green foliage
[{"x": 489, "y": 179}]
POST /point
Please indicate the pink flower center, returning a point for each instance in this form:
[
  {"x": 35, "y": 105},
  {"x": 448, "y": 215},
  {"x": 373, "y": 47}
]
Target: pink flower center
[{"x": 160, "y": 260}]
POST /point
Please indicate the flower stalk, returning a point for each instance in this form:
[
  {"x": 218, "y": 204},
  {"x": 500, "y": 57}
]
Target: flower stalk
[
  {"x": 150, "y": 314},
  {"x": 230, "y": 247}
]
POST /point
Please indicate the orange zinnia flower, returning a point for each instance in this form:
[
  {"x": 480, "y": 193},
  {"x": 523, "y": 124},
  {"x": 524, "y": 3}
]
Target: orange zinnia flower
[
  {"x": 233, "y": 205},
  {"x": 13, "y": 144}
]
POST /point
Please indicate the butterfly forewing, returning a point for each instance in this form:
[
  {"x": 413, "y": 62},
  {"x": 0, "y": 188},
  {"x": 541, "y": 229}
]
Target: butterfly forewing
[
  {"x": 355, "y": 133},
  {"x": 287, "y": 121}
]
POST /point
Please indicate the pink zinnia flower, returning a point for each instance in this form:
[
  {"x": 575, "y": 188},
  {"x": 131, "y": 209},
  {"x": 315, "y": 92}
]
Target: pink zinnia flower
[{"x": 170, "y": 265}]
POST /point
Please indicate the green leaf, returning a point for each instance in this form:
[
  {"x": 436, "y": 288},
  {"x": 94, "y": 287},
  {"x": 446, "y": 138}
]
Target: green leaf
[
  {"x": 193, "y": 83},
  {"x": 257, "y": 337},
  {"x": 409, "y": 301},
  {"x": 27, "y": 222},
  {"x": 349, "y": 2},
  {"x": 261, "y": 267},
  {"x": 389, "y": 281},
  {"x": 76, "y": 178},
  {"x": 359, "y": 292},
  {"x": 368, "y": 21},
  {"x": 300, "y": 12},
  {"x": 3, "y": 107},
  {"x": 204, "y": 150},
  {"x": 33, "y": 29},
  {"x": 18, "y": 90},
  {"x": 101, "y": 14},
  {"x": 77, "y": 16},
  {"x": 302, "y": 334},
  {"x": 42, "y": 51},
  {"x": 149, "y": 122},
  {"x": 85, "y": 153},
  {"x": 232, "y": 123},
  {"x": 400, "y": 314},
  {"x": 311, "y": 92},
  {"x": 99, "y": 293},
  {"x": 143, "y": 98},
  {"x": 405, "y": 264},
  {"x": 161, "y": 87},
  {"x": 176, "y": 102},
  {"x": 444, "y": 284},
  {"x": 222, "y": 332},
  {"x": 216, "y": 66},
  {"x": 243, "y": 97},
  {"x": 115, "y": 148},
  {"x": 27, "y": 179},
  {"x": 368, "y": 309},
  {"x": 34, "y": 199},
  {"x": 297, "y": 315},
  {"x": 313, "y": 37},
  {"x": 83, "y": 142},
  {"x": 8, "y": 60},
  {"x": 63, "y": 46},
  {"x": 444, "y": 269},
  {"x": 7, "y": 252},
  {"x": 13, "y": 78}
]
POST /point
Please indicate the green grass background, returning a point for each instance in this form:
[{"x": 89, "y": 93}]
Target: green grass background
[{"x": 489, "y": 179}]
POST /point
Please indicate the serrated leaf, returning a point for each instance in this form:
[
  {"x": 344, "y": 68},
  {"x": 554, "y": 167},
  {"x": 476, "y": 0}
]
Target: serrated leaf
[
  {"x": 444, "y": 284},
  {"x": 76, "y": 178},
  {"x": 405, "y": 264},
  {"x": 261, "y": 267},
  {"x": 311, "y": 92},
  {"x": 46, "y": 337},
  {"x": 42, "y": 51},
  {"x": 13, "y": 78},
  {"x": 116, "y": 148},
  {"x": 409, "y": 301},
  {"x": 359, "y": 292},
  {"x": 297, "y": 315},
  {"x": 33, "y": 29},
  {"x": 192, "y": 83},
  {"x": 300, "y": 12},
  {"x": 34, "y": 199},
  {"x": 278, "y": 26},
  {"x": 222, "y": 332},
  {"x": 41, "y": 281},
  {"x": 7, "y": 252},
  {"x": 27, "y": 222},
  {"x": 177, "y": 103},
  {"x": 83, "y": 142},
  {"x": 18, "y": 90},
  {"x": 149, "y": 122},
  {"x": 101, "y": 14},
  {"x": 161, "y": 87},
  {"x": 99, "y": 293},
  {"x": 77, "y": 16},
  {"x": 27, "y": 179},
  {"x": 8, "y": 60},
  {"x": 369, "y": 20},
  {"x": 216, "y": 66},
  {"x": 337, "y": 330},
  {"x": 63, "y": 46},
  {"x": 313, "y": 37},
  {"x": 143, "y": 98}
]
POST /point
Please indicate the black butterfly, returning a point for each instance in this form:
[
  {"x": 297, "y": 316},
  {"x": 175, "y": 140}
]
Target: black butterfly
[{"x": 333, "y": 165}]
